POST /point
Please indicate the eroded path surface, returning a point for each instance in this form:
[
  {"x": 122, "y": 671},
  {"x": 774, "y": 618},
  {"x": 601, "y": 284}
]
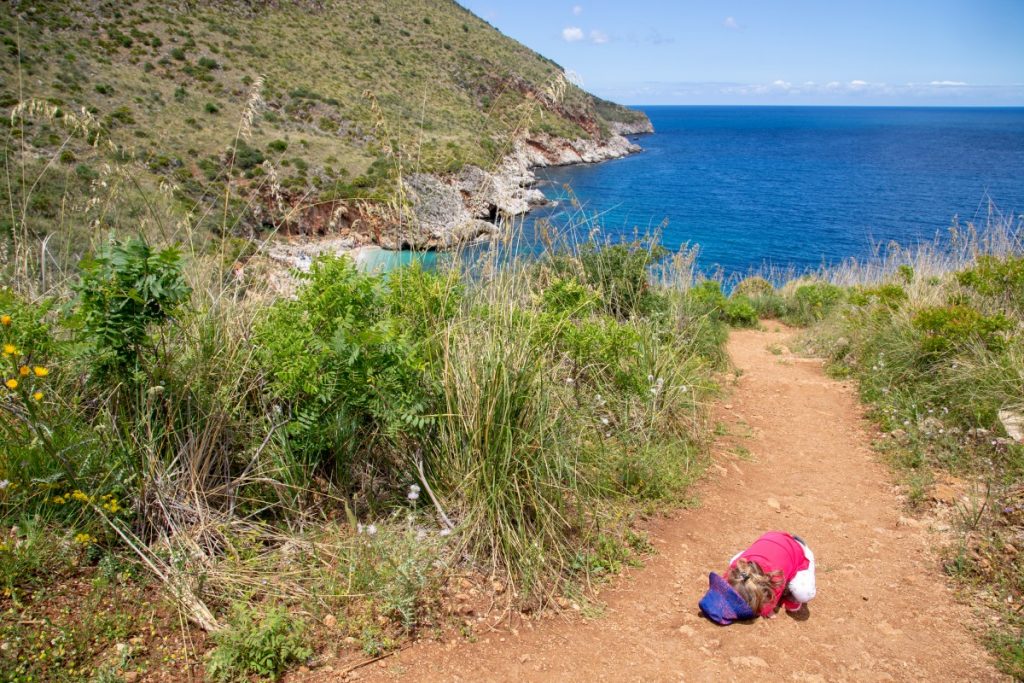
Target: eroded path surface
[{"x": 797, "y": 458}]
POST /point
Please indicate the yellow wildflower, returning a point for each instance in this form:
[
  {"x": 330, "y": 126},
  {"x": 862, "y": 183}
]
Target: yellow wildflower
[
  {"x": 78, "y": 495},
  {"x": 23, "y": 371},
  {"x": 5, "y": 319},
  {"x": 11, "y": 384},
  {"x": 84, "y": 538},
  {"x": 10, "y": 349},
  {"x": 38, "y": 396},
  {"x": 40, "y": 371},
  {"x": 59, "y": 500}
]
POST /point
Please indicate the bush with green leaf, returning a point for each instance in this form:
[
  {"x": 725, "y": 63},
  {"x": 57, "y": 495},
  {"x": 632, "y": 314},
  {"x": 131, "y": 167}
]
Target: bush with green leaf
[
  {"x": 349, "y": 375},
  {"x": 948, "y": 329},
  {"x": 620, "y": 273},
  {"x": 1001, "y": 279},
  {"x": 813, "y": 301},
  {"x": 263, "y": 645},
  {"x": 125, "y": 290}
]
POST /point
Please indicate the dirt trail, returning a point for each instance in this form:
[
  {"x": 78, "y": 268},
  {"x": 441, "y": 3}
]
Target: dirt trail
[{"x": 883, "y": 611}]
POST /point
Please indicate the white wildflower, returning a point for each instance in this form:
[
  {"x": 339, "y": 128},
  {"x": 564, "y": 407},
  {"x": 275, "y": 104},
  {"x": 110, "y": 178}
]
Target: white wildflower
[
  {"x": 4, "y": 484},
  {"x": 604, "y": 421},
  {"x": 445, "y": 532},
  {"x": 650, "y": 378},
  {"x": 371, "y": 529}
]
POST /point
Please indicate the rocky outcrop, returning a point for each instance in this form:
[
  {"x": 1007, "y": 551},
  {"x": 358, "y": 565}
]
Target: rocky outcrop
[
  {"x": 639, "y": 127},
  {"x": 445, "y": 212},
  {"x": 440, "y": 217},
  {"x": 466, "y": 207}
]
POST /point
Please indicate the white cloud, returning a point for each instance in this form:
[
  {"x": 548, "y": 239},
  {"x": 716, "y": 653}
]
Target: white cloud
[
  {"x": 730, "y": 22},
  {"x": 947, "y": 83},
  {"x": 571, "y": 34},
  {"x": 599, "y": 37},
  {"x": 577, "y": 10}
]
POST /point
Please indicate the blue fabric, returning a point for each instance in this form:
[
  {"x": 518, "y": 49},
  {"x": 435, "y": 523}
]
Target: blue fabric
[{"x": 723, "y": 605}]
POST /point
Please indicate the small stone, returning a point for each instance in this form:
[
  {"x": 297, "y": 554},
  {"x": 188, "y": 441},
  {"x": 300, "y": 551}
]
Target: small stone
[
  {"x": 1013, "y": 423},
  {"x": 907, "y": 522},
  {"x": 351, "y": 641},
  {"x": 687, "y": 631},
  {"x": 523, "y": 659},
  {"x": 381, "y": 664},
  {"x": 130, "y": 676},
  {"x": 562, "y": 602},
  {"x": 498, "y": 587},
  {"x": 773, "y": 504},
  {"x": 330, "y": 621}
]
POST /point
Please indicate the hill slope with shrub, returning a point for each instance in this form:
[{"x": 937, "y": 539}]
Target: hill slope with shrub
[{"x": 343, "y": 98}]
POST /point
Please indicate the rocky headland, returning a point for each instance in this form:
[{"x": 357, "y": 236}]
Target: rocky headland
[{"x": 442, "y": 212}]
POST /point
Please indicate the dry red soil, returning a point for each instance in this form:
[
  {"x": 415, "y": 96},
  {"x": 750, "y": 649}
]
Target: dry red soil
[{"x": 883, "y": 611}]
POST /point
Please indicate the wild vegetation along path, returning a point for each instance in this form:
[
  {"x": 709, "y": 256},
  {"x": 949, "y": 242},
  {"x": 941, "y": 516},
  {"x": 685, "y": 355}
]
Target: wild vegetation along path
[{"x": 883, "y": 611}]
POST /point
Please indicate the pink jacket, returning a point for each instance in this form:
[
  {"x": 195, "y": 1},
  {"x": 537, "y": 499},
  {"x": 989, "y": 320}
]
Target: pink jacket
[{"x": 776, "y": 551}]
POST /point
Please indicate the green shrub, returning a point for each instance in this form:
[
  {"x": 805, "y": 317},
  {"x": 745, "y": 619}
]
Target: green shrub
[
  {"x": 740, "y": 312},
  {"x": 1001, "y": 279},
  {"x": 208, "y": 64},
  {"x": 890, "y": 296},
  {"x": 246, "y": 156},
  {"x": 812, "y": 302},
  {"x": 211, "y": 108},
  {"x": 620, "y": 274},
  {"x": 948, "y": 329},
  {"x": 277, "y": 146},
  {"x": 754, "y": 286},
  {"x": 178, "y": 54},
  {"x": 125, "y": 289},
  {"x": 349, "y": 374},
  {"x": 262, "y": 645},
  {"x": 122, "y": 115},
  {"x": 706, "y": 298},
  {"x": 569, "y": 297}
]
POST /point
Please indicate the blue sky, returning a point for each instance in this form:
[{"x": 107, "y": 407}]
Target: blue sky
[{"x": 842, "y": 52}]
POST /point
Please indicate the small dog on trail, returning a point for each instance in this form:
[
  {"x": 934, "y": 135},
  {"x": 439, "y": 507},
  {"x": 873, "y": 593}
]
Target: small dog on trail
[{"x": 778, "y": 567}]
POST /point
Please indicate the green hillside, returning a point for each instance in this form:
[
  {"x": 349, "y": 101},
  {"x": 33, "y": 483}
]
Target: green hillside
[{"x": 341, "y": 96}]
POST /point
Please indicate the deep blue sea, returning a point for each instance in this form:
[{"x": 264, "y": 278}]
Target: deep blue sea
[{"x": 800, "y": 186}]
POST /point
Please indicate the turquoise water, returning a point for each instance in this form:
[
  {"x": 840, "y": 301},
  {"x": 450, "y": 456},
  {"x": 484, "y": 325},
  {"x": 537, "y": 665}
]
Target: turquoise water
[{"x": 800, "y": 186}]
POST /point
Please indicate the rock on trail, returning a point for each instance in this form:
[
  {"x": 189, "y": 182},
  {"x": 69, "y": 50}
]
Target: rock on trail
[{"x": 883, "y": 611}]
